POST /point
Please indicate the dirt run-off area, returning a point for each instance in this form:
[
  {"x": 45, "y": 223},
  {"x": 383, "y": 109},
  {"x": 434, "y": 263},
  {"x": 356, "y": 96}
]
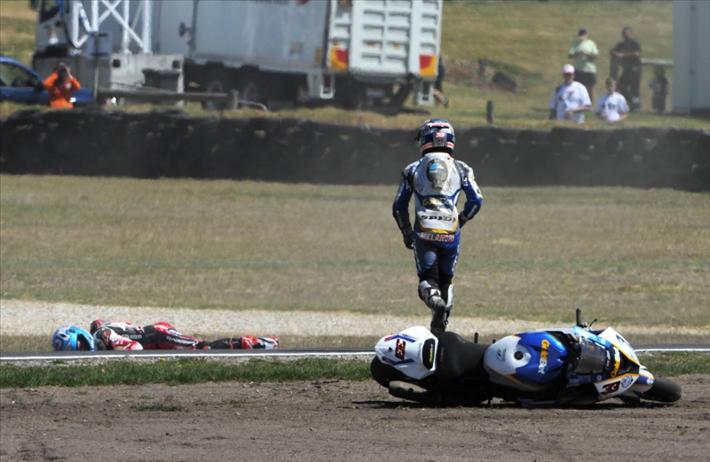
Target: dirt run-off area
[{"x": 336, "y": 420}]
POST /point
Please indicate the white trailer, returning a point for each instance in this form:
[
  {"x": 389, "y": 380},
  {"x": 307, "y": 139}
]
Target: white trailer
[
  {"x": 356, "y": 51},
  {"x": 691, "y": 57},
  {"x": 107, "y": 43}
]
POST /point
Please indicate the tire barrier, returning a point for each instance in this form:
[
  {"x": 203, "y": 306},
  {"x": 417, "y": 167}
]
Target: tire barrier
[{"x": 172, "y": 144}]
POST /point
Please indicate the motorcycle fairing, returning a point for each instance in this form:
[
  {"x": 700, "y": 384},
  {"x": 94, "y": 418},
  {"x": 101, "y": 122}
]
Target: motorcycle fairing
[
  {"x": 411, "y": 351},
  {"x": 616, "y": 385},
  {"x": 620, "y": 343},
  {"x": 613, "y": 380},
  {"x": 548, "y": 358},
  {"x": 644, "y": 382},
  {"x": 528, "y": 361}
]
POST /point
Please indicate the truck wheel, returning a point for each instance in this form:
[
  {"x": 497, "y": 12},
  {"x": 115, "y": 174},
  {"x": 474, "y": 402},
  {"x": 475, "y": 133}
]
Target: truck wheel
[
  {"x": 351, "y": 95},
  {"x": 249, "y": 91},
  {"x": 214, "y": 85}
]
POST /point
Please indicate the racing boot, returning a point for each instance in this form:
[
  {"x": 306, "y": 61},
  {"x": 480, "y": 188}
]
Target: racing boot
[
  {"x": 260, "y": 343},
  {"x": 439, "y": 318},
  {"x": 432, "y": 298},
  {"x": 248, "y": 342},
  {"x": 268, "y": 343},
  {"x": 431, "y": 295},
  {"x": 449, "y": 303}
]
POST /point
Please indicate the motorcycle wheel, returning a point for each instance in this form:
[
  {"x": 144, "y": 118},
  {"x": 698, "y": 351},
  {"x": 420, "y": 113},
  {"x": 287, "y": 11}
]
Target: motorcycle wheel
[
  {"x": 385, "y": 374},
  {"x": 663, "y": 390}
]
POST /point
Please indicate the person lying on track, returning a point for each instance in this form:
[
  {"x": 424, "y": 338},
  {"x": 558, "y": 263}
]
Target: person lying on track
[{"x": 121, "y": 335}]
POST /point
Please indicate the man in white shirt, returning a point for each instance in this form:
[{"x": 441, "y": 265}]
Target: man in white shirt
[
  {"x": 571, "y": 99},
  {"x": 612, "y": 107}
]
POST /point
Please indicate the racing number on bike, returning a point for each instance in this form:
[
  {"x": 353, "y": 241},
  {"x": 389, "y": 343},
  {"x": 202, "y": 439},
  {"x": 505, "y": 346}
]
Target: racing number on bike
[
  {"x": 610, "y": 387},
  {"x": 400, "y": 348}
]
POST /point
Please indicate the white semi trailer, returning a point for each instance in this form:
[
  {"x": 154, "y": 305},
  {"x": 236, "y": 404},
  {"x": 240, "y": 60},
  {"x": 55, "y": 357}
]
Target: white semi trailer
[{"x": 354, "y": 51}]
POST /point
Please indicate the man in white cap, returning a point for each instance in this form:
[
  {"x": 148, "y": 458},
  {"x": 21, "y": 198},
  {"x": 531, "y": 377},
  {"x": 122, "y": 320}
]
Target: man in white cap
[{"x": 571, "y": 99}]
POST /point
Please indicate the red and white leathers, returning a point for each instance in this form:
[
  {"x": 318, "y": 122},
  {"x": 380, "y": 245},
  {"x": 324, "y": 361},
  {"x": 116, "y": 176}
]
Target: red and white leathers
[
  {"x": 121, "y": 335},
  {"x": 110, "y": 339}
]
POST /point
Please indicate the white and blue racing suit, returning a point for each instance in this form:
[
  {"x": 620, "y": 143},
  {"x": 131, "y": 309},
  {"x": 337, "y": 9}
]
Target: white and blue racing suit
[{"x": 436, "y": 180}]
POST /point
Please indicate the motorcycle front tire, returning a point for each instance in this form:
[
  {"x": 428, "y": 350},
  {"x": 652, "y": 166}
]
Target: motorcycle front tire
[{"x": 663, "y": 390}]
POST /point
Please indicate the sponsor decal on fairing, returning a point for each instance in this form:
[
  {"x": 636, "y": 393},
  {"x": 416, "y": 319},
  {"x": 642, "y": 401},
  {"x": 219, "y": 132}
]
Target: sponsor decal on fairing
[
  {"x": 400, "y": 349},
  {"x": 544, "y": 346}
]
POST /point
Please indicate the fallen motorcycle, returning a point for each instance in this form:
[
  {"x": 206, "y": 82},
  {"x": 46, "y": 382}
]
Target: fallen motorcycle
[{"x": 572, "y": 366}]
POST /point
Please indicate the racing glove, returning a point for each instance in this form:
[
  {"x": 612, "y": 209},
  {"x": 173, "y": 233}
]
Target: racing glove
[
  {"x": 408, "y": 237},
  {"x": 462, "y": 220}
]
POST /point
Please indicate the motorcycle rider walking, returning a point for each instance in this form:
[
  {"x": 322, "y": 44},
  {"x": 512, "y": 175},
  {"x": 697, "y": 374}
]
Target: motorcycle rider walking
[{"x": 436, "y": 180}]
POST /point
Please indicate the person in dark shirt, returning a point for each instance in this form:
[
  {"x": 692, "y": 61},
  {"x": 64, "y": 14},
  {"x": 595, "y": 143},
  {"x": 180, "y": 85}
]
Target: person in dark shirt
[
  {"x": 627, "y": 55},
  {"x": 659, "y": 87},
  {"x": 439, "y": 95}
]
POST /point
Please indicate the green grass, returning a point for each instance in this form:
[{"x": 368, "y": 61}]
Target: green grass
[
  {"x": 177, "y": 372},
  {"x": 673, "y": 364},
  {"x": 199, "y": 371},
  {"x": 627, "y": 256},
  {"x": 522, "y": 38},
  {"x": 17, "y": 30}
]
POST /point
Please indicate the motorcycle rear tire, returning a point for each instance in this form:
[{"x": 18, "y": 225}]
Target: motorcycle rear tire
[{"x": 663, "y": 390}]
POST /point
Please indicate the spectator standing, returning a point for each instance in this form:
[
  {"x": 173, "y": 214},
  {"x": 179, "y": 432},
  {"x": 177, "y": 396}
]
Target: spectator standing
[
  {"x": 584, "y": 51},
  {"x": 61, "y": 84},
  {"x": 612, "y": 107},
  {"x": 627, "y": 54},
  {"x": 439, "y": 95},
  {"x": 571, "y": 99},
  {"x": 659, "y": 87}
]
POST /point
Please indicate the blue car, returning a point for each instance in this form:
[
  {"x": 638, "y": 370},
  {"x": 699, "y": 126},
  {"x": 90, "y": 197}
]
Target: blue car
[{"x": 21, "y": 84}]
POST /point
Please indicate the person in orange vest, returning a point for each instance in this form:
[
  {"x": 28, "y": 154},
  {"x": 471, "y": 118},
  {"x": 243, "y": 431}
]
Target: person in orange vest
[{"x": 61, "y": 84}]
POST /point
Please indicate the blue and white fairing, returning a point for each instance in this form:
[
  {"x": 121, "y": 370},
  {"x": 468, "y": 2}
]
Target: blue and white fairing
[
  {"x": 528, "y": 361},
  {"x": 411, "y": 351},
  {"x": 618, "y": 380},
  {"x": 533, "y": 361}
]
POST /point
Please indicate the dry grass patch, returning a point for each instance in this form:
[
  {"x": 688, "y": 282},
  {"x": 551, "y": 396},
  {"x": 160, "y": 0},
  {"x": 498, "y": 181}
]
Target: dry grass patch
[{"x": 627, "y": 256}]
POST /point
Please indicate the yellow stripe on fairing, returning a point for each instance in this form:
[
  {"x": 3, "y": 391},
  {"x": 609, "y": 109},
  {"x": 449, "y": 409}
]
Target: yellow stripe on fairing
[
  {"x": 617, "y": 363},
  {"x": 621, "y": 351}
]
